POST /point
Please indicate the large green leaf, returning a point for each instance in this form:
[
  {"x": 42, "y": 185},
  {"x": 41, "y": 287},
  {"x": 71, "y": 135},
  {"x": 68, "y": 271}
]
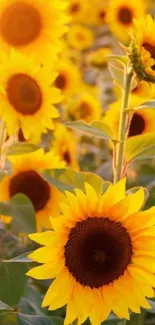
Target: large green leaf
[
  {"x": 9, "y": 319},
  {"x": 69, "y": 179},
  {"x": 4, "y": 306},
  {"x": 21, "y": 210},
  {"x": 117, "y": 74},
  {"x": 20, "y": 259},
  {"x": 35, "y": 320},
  {"x": 21, "y": 148},
  {"x": 13, "y": 281},
  {"x": 148, "y": 104},
  {"x": 140, "y": 147},
  {"x": 97, "y": 129},
  {"x": 30, "y": 302},
  {"x": 22, "y": 319}
]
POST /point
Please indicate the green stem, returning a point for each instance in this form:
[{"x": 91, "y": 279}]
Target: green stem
[{"x": 123, "y": 125}]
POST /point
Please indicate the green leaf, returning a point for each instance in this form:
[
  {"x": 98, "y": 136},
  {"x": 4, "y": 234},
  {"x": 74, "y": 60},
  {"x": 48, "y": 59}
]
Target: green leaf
[
  {"x": 140, "y": 147},
  {"x": 148, "y": 104},
  {"x": 136, "y": 319},
  {"x": 19, "y": 259},
  {"x": 21, "y": 148},
  {"x": 69, "y": 179},
  {"x": 117, "y": 75},
  {"x": 30, "y": 302},
  {"x": 97, "y": 129},
  {"x": 4, "y": 306},
  {"x": 135, "y": 189},
  {"x": 3, "y": 174},
  {"x": 21, "y": 210},
  {"x": 123, "y": 59},
  {"x": 13, "y": 281},
  {"x": 35, "y": 320},
  {"x": 57, "y": 320},
  {"x": 9, "y": 319}
]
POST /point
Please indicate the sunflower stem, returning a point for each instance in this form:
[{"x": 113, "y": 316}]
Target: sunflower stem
[
  {"x": 123, "y": 126},
  {"x": 2, "y": 139}
]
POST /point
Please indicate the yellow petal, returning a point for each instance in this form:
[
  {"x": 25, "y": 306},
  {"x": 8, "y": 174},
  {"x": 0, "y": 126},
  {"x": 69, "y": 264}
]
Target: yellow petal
[
  {"x": 148, "y": 263},
  {"x": 46, "y": 271},
  {"x": 92, "y": 198},
  {"x": 43, "y": 255},
  {"x": 147, "y": 243},
  {"x": 141, "y": 220},
  {"x": 136, "y": 201},
  {"x": 60, "y": 291},
  {"x": 43, "y": 238},
  {"x": 141, "y": 275},
  {"x": 71, "y": 312}
]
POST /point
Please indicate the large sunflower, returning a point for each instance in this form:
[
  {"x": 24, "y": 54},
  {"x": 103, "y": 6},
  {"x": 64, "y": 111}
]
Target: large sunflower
[
  {"x": 86, "y": 108},
  {"x": 64, "y": 147},
  {"x": 120, "y": 15},
  {"x": 25, "y": 179},
  {"x": 142, "y": 121},
  {"x": 101, "y": 253},
  {"x": 142, "y": 48},
  {"x": 68, "y": 79},
  {"x": 26, "y": 95},
  {"x": 31, "y": 27}
]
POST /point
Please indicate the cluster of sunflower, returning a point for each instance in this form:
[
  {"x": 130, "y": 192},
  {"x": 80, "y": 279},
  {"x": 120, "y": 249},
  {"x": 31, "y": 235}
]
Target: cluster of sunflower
[{"x": 97, "y": 244}]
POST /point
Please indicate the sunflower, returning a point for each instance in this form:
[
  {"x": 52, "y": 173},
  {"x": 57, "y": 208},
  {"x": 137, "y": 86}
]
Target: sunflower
[
  {"x": 86, "y": 108},
  {"x": 68, "y": 79},
  {"x": 98, "y": 58},
  {"x": 142, "y": 121},
  {"x": 26, "y": 95},
  {"x": 99, "y": 12},
  {"x": 25, "y": 179},
  {"x": 64, "y": 147},
  {"x": 80, "y": 37},
  {"x": 77, "y": 10},
  {"x": 142, "y": 48},
  {"x": 120, "y": 15},
  {"x": 31, "y": 27},
  {"x": 101, "y": 254},
  {"x": 5, "y": 219}
]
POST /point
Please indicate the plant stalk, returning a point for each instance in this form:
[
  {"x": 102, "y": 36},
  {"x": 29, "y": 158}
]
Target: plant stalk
[{"x": 123, "y": 126}]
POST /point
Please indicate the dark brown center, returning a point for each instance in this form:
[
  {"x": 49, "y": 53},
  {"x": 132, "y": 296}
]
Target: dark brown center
[
  {"x": 98, "y": 251},
  {"x": 24, "y": 94},
  {"x": 20, "y": 24},
  {"x": 137, "y": 125},
  {"x": 125, "y": 15},
  {"x": 67, "y": 157},
  {"x": 74, "y": 8},
  {"x": 60, "y": 82},
  {"x": 21, "y": 137},
  {"x": 32, "y": 185},
  {"x": 151, "y": 49},
  {"x": 85, "y": 109},
  {"x": 102, "y": 15}
]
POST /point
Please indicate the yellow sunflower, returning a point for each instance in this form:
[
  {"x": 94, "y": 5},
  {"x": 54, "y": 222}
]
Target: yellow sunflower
[
  {"x": 31, "y": 27},
  {"x": 99, "y": 13},
  {"x": 86, "y": 108},
  {"x": 5, "y": 219},
  {"x": 77, "y": 10},
  {"x": 25, "y": 179},
  {"x": 26, "y": 95},
  {"x": 80, "y": 37},
  {"x": 68, "y": 79},
  {"x": 101, "y": 254},
  {"x": 64, "y": 146},
  {"x": 120, "y": 15},
  {"x": 142, "y": 48},
  {"x": 142, "y": 121},
  {"x": 98, "y": 58}
]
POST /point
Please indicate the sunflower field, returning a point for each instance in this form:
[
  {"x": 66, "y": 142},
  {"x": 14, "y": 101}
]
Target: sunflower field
[{"x": 77, "y": 162}]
